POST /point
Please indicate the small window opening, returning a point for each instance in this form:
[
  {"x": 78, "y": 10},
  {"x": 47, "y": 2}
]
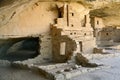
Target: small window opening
[
  {"x": 60, "y": 13},
  {"x": 72, "y": 25},
  {"x": 72, "y": 14},
  {"x": 70, "y": 33},
  {"x": 97, "y": 22},
  {"x": 107, "y": 34},
  {"x": 84, "y": 21},
  {"x": 36, "y": 4}
]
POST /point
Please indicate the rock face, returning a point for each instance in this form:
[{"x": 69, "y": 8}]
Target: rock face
[
  {"x": 109, "y": 12},
  {"x": 62, "y": 26},
  {"x": 26, "y": 18}
]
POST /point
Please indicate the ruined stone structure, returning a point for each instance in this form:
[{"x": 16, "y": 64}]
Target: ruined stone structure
[
  {"x": 57, "y": 37},
  {"x": 97, "y": 24},
  {"x": 108, "y": 36},
  {"x": 71, "y": 34},
  {"x": 62, "y": 28},
  {"x": 105, "y": 35}
]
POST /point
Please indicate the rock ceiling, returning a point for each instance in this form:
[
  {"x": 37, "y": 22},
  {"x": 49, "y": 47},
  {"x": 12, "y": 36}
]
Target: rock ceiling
[{"x": 109, "y": 10}]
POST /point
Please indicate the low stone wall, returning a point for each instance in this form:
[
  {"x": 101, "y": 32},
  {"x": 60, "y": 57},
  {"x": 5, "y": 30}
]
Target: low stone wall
[{"x": 63, "y": 71}]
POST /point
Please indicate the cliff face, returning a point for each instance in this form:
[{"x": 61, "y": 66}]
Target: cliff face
[
  {"x": 26, "y": 18},
  {"x": 31, "y": 17},
  {"x": 109, "y": 12}
]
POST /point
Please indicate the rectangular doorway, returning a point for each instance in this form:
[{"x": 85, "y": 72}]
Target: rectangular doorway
[
  {"x": 62, "y": 48},
  {"x": 81, "y": 46}
]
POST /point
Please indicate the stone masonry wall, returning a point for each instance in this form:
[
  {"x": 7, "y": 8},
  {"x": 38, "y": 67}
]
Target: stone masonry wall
[{"x": 57, "y": 39}]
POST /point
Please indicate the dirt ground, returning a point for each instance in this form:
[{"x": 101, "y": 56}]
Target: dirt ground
[{"x": 112, "y": 73}]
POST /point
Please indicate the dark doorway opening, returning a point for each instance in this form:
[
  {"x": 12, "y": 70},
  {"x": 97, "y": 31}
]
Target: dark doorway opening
[
  {"x": 19, "y": 49},
  {"x": 81, "y": 50}
]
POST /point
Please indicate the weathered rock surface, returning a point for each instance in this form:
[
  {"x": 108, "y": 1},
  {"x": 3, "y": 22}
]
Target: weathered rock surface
[
  {"x": 29, "y": 17},
  {"x": 110, "y": 13}
]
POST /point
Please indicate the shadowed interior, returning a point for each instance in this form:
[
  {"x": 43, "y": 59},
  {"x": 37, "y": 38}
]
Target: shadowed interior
[{"x": 19, "y": 49}]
